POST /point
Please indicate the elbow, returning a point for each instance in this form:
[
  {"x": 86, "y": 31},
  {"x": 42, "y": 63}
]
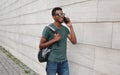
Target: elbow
[
  {"x": 74, "y": 42},
  {"x": 40, "y": 46}
]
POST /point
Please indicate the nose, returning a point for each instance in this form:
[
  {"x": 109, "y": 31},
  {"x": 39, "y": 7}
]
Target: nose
[{"x": 62, "y": 16}]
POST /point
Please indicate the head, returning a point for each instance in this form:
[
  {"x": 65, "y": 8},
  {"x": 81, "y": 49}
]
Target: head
[{"x": 58, "y": 14}]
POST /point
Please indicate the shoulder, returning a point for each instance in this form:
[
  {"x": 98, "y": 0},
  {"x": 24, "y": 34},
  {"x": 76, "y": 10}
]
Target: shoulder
[{"x": 46, "y": 27}]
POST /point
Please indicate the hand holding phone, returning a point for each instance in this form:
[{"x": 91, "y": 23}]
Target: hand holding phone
[{"x": 66, "y": 20}]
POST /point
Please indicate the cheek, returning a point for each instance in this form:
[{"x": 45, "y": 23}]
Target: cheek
[
  {"x": 55, "y": 18},
  {"x": 61, "y": 19}
]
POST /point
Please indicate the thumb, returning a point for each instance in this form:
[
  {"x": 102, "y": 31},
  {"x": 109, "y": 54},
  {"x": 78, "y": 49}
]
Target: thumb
[{"x": 55, "y": 34}]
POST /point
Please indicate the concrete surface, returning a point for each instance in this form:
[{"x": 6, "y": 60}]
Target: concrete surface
[{"x": 9, "y": 65}]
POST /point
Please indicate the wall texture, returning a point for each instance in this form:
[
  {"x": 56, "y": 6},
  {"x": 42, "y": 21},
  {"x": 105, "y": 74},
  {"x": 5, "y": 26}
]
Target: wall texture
[{"x": 96, "y": 23}]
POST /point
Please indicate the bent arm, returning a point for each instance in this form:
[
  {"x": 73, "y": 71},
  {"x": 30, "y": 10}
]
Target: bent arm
[
  {"x": 44, "y": 43},
  {"x": 72, "y": 36}
]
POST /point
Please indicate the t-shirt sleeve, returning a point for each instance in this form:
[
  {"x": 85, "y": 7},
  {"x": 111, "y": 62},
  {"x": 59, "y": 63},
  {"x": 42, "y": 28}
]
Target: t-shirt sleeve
[
  {"x": 45, "y": 33},
  {"x": 67, "y": 31}
]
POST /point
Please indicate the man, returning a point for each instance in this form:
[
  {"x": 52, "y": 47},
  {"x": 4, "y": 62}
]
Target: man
[{"x": 57, "y": 61}]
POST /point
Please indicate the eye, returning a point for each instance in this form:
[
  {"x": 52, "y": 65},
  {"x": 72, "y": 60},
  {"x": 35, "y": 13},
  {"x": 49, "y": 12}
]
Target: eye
[{"x": 60, "y": 14}]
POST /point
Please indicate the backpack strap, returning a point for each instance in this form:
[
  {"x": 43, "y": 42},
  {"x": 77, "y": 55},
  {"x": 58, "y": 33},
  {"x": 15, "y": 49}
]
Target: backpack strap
[{"x": 52, "y": 29}]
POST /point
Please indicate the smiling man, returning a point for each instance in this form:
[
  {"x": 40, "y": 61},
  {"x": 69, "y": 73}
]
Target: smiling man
[{"x": 57, "y": 61}]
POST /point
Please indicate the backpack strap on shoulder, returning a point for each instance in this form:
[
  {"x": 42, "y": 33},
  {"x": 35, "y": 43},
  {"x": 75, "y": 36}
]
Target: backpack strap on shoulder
[{"x": 52, "y": 29}]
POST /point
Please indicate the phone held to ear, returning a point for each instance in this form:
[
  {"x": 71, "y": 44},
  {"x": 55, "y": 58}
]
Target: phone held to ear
[{"x": 66, "y": 20}]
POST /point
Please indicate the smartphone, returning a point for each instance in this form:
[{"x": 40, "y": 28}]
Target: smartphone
[{"x": 66, "y": 20}]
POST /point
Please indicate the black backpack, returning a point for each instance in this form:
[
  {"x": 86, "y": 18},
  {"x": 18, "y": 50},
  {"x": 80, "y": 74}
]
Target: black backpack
[{"x": 43, "y": 54}]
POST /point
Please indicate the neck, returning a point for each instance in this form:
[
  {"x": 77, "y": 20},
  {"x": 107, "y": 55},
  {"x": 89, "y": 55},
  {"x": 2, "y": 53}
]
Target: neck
[{"x": 58, "y": 25}]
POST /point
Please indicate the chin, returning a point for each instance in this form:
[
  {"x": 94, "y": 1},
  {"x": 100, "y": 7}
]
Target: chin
[{"x": 62, "y": 21}]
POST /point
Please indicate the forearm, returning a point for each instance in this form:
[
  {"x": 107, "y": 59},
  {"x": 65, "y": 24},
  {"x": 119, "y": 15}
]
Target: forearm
[
  {"x": 46, "y": 44},
  {"x": 72, "y": 35}
]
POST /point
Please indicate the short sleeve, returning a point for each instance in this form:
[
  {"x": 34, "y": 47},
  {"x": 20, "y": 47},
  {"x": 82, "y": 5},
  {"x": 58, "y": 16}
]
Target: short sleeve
[
  {"x": 45, "y": 33},
  {"x": 67, "y": 30}
]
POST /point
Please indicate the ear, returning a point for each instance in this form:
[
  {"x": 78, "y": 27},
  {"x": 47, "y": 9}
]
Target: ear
[{"x": 53, "y": 17}]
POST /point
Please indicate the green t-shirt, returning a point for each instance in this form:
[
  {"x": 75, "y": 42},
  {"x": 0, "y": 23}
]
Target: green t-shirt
[{"x": 58, "y": 49}]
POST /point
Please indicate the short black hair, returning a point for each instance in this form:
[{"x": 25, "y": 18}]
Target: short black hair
[{"x": 54, "y": 10}]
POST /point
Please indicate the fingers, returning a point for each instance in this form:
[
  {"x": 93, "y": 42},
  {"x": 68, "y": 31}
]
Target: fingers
[{"x": 57, "y": 37}]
